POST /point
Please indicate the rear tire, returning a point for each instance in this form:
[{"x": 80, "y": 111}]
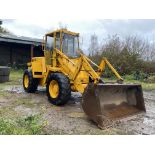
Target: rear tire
[
  {"x": 58, "y": 88},
  {"x": 30, "y": 84}
]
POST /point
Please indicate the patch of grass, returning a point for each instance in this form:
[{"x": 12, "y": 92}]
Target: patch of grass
[
  {"x": 5, "y": 94},
  {"x": 3, "y": 86},
  {"x": 14, "y": 79},
  {"x": 129, "y": 79},
  {"x": 145, "y": 85},
  {"x": 148, "y": 86},
  {"x": 16, "y": 74},
  {"x": 152, "y": 79},
  {"x": 30, "y": 125}
]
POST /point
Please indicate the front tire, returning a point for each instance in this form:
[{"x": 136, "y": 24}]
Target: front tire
[
  {"x": 58, "y": 88},
  {"x": 30, "y": 84}
]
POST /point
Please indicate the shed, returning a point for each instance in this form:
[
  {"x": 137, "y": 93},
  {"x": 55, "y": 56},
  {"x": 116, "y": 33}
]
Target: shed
[{"x": 18, "y": 49}]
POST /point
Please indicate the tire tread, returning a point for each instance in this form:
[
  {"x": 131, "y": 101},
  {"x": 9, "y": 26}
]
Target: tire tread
[{"x": 64, "y": 88}]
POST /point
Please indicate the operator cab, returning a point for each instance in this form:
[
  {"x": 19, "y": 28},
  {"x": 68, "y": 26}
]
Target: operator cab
[{"x": 63, "y": 40}]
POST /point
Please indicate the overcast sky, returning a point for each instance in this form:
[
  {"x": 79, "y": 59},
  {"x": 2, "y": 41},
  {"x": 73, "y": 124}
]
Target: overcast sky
[{"x": 102, "y": 28}]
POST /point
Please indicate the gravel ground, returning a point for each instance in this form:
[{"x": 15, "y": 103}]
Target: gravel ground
[{"x": 70, "y": 119}]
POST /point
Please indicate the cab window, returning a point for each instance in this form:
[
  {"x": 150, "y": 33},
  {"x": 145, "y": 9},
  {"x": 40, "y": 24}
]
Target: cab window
[
  {"x": 49, "y": 43},
  {"x": 70, "y": 45},
  {"x": 58, "y": 41}
]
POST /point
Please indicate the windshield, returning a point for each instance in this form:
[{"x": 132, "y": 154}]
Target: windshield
[
  {"x": 70, "y": 45},
  {"x": 49, "y": 43}
]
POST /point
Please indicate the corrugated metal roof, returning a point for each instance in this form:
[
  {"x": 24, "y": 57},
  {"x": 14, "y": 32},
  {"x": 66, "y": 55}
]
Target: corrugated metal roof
[{"x": 19, "y": 39}]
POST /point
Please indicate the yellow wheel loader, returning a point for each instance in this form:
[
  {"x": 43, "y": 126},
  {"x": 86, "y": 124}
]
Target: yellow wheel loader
[{"x": 64, "y": 69}]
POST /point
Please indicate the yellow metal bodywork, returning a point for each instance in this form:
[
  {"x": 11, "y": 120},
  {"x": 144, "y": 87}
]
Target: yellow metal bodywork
[
  {"x": 54, "y": 89},
  {"x": 38, "y": 67},
  {"x": 79, "y": 70}
]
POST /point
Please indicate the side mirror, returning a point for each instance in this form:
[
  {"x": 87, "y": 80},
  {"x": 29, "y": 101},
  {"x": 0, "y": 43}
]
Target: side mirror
[{"x": 43, "y": 43}]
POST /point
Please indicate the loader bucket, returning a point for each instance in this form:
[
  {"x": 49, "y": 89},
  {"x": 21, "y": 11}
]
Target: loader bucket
[{"x": 112, "y": 101}]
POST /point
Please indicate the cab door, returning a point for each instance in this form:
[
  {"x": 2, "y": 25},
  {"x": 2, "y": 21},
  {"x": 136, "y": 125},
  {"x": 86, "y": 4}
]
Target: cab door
[{"x": 49, "y": 49}]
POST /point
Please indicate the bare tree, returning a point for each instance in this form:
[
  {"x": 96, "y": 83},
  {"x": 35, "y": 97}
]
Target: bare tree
[
  {"x": 139, "y": 46},
  {"x": 112, "y": 44},
  {"x": 3, "y": 30},
  {"x": 151, "y": 52}
]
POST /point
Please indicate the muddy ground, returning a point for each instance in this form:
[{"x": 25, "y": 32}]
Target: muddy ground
[{"x": 69, "y": 119}]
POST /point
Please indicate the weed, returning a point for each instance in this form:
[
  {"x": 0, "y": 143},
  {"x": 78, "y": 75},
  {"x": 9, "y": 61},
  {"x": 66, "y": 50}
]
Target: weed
[{"x": 24, "y": 126}]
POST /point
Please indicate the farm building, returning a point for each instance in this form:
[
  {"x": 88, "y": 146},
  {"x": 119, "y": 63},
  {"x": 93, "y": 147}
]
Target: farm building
[{"x": 18, "y": 50}]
